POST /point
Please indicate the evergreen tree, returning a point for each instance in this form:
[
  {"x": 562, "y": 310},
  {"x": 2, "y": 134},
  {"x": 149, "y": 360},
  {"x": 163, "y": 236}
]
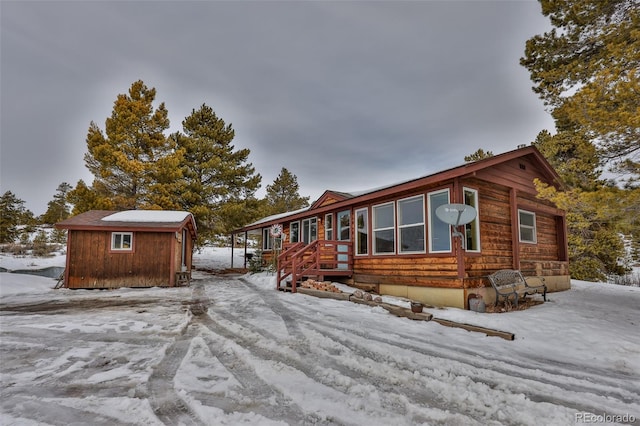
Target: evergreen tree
[
  {"x": 58, "y": 209},
  {"x": 12, "y": 214},
  {"x": 573, "y": 156},
  {"x": 218, "y": 179},
  {"x": 128, "y": 158},
  {"x": 587, "y": 69},
  {"x": 282, "y": 194},
  {"x": 84, "y": 198},
  {"x": 480, "y": 154}
]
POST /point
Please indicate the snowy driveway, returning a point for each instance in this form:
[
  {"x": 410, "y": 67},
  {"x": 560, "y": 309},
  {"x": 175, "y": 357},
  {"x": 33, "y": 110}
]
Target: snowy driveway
[{"x": 228, "y": 351}]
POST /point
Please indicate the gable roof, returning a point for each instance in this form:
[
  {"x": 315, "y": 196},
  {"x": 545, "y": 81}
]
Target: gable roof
[
  {"x": 139, "y": 220},
  {"x": 345, "y": 199}
]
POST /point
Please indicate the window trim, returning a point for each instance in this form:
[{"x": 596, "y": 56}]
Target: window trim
[
  {"x": 374, "y": 229},
  {"x": 534, "y": 228},
  {"x": 434, "y": 217},
  {"x": 399, "y": 227},
  {"x": 477, "y": 219},
  {"x": 121, "y": 249},
  {"x": 366, "y": 231}
]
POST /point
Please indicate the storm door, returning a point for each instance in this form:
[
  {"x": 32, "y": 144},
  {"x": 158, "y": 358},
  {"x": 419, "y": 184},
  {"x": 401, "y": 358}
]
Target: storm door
[{"x": 343, "y": 234}]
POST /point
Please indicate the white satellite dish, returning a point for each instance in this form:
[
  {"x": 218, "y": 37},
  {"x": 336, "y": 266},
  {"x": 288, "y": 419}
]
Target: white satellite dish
[{"x": 456, "y": 215}]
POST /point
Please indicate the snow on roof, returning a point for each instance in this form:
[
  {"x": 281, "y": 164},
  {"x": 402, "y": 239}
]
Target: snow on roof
[
  {"x": 278, "y": 216},
  {"x": 160, "y": 216}
]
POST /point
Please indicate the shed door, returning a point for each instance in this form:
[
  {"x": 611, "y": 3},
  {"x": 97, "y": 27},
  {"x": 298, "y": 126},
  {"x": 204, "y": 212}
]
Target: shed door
[{"x": 183, "y": 258}]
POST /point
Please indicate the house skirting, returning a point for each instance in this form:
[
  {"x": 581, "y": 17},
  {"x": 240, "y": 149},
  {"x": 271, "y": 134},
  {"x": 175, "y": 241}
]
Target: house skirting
[{"x": 457, "y": 297}]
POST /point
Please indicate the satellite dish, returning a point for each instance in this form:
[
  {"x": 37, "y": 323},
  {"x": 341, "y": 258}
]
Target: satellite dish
[{"x": 456, "y": 215}]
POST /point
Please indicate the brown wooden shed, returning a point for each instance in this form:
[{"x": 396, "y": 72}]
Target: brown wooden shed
[
  {"x": 390, "y": 240},
  {"x": 135, "y": 248}
]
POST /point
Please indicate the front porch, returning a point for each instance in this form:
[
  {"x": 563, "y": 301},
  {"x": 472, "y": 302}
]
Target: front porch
[{"x": 318, "y": 259}]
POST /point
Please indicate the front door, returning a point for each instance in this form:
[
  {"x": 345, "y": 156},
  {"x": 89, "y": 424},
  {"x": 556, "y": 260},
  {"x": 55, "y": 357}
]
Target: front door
[{"x": 343, "y": 234}]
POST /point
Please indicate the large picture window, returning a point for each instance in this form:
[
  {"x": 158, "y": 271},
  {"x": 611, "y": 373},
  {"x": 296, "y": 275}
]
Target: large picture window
[
  {"x": 122, "y": 241},
  {"x": 384, "y": 229},
  {"x": 439, "y": 232},
  {"x": 411, "y": 225},
  {"x": 472, "y": 229},
  {"x": 362, "y": 231},
  {"x": 527, "y": 226}
]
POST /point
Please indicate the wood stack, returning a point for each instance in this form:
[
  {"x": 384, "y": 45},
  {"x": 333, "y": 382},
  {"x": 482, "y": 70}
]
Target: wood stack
[{"x": 320, "y": 285}]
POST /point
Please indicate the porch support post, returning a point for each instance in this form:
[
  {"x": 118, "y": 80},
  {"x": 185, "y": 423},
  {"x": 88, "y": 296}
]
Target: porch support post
[
  {"x": 459, "y": 198},
  {"x": 515, "y": 232}
]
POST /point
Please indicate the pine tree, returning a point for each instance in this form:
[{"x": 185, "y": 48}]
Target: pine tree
[
  {"x": 217, "y": 178},
  {"x": 126, "y": 159},
  {"x": 12, "y": 214},
  {"x": 480, "y": 154},
  {"x": 282, "y": 194},
  {"x": 587, "y": 69},
  {"x": 84, "y": 198},
  {"x": 58, "y": 208}
]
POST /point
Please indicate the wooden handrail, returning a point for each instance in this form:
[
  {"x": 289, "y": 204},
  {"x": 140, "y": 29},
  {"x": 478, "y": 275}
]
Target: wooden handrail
[{"x": 299, "y": 259}]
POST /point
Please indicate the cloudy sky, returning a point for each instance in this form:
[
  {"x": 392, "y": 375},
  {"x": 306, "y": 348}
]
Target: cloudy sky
[{"x": 347, "y": 95}]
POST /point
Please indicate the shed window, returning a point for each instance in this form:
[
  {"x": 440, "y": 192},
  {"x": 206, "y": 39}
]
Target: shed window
[
  {"x": 122, "y": 241},
  {"x": 384, "y": 229},
  {"x": 411, "y": 225},
  {"x": 527, "y": 226}
]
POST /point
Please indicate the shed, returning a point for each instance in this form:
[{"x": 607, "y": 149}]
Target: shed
[
  {"x": 389, "y": 240},
  {"x": 136, "y": 248}
]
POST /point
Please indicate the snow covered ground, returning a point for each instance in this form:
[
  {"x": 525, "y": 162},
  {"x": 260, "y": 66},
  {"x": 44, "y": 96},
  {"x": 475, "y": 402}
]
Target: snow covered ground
[{"x": 231, "y": 350}]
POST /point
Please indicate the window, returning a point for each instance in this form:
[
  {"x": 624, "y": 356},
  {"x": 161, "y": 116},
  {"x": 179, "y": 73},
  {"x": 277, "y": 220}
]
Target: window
[
  {"x": 294, "y": 232},
  {"x": 527, "y": 225},
  {"x": 122, "y": 241},
  {"x": 472, "y": 229},
  {"x": 439, "y": 232},
  {"x": 362, "y": 231},
  {"x": 384, "y": 229},
  {"x": 328, "y": 226},
  {"x": 344, "y": 225},
  {"x": 267, "y": 239},
  {"x": 411, "y": 225},
  {"x": 309, "y": 230}
]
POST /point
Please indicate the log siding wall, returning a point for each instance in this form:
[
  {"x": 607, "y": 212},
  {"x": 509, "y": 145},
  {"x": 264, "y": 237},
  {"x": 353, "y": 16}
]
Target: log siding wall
[{"x": 502, "y": 190}]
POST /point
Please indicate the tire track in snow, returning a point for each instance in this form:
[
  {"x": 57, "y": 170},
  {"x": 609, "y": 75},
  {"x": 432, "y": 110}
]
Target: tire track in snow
[
  {"x": 273, "y": 404},
  {"x": 543, "y": 376},
  {"x": 394, "y": 394},
  {"x": 163, "y": 398}
]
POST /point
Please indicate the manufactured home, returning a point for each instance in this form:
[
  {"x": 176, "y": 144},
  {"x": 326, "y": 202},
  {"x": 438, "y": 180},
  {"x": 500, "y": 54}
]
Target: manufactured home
[
  {"x": 393, "y": 240},
  {"x": 136, "y": 248}
]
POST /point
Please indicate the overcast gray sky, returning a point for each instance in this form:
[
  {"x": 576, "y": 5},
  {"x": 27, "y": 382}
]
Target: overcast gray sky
[{"x": 345, "y": 95}]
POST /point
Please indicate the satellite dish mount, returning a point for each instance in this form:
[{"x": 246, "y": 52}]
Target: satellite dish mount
[{"x": 456, "y": 215}]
